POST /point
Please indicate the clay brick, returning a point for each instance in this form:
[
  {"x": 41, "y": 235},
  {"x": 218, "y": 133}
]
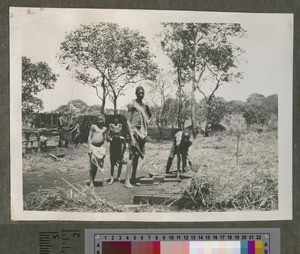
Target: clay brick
[
  {"x": 151, "y": 174},
  {"x": 158, "y": 179},
  {"x": 172, "y": 180},
  {"x": 184, "y": 176},
  {"x": 170, "y": 176},
  {"x": 146, "y": 180}
]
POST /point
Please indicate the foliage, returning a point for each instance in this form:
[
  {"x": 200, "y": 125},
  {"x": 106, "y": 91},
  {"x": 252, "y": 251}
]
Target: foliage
[
  {"x": 271, "y": 104},
  {"x": 160, "y": 91},
  {"x": 78, "y": 107},
  {"x": 235, "y": 107},
  {"x": 35, "y": 78},
  {"x": 260, "y": 109},
  {"x": 200, "y": 53},
  {"x": 74, "y": 108},
  {"x": 272, "y": 123},
  {"x": 179, "y": 108},
  {"x": 235, "y": 124},
  {"x": 108, "y": 57},
  {"x": 255, "y": 112},
  {"x": 32, "y": 105},
  {"x": 214, "y": 112},
  {"x": 94, "y": 110}
]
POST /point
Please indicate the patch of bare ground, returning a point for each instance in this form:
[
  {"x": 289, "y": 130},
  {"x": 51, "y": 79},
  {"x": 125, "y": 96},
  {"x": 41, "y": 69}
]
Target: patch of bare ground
[{"x": 221, "y": 180}]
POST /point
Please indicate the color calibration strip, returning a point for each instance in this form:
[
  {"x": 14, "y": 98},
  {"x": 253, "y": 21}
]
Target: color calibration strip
[
  {"x": 182, "y": 247},
  {"x": 185, "y": 241}
]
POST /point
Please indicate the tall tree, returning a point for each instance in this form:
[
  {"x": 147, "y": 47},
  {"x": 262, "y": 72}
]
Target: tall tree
[
  {"x": 35, "y": 78},
  {"x": 172, "y": 108},
  {"x": 160, "y": 91},
  {"x": 206, "y": 54},
  {"x": 217, "y": 109},
  {"x": 255, "y": 109},
  {"x": 108, "y": 57},
  {"x": 173, "y": 47},
  {"x": 271, "y": 103}
]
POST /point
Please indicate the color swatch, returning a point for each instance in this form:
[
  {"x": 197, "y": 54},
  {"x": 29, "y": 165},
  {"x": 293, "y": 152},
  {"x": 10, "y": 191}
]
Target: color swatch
[{"x": 183, "y": 247}]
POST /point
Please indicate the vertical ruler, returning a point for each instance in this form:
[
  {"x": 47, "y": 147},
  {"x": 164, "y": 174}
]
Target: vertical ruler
[
  {"x": 49, "y": 242},
  {"x": 65, "y": 241}
]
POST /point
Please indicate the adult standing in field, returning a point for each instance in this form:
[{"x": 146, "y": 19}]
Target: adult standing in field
[
  {"x": 63, "y": 129},
  {"x": 97, "y": 147},
  {"x": 76, "y": 132},
  {"x": 138, "y": 120}
]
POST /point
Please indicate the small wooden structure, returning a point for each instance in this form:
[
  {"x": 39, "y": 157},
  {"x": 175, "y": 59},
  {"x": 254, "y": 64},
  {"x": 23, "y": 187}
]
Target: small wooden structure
[{"x": 47, "y": 120}]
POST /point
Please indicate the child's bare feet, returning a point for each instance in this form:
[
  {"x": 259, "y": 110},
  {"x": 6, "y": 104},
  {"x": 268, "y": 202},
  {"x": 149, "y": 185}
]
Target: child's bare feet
[
  {"x": 128, "y": 185},
  {"x": 111, "y": 180}
]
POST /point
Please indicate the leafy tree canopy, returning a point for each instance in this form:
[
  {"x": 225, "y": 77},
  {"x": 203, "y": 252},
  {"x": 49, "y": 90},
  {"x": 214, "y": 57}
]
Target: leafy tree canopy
[
  {"x": 203, "y": 51},
  {"x": 32, "y": 105},
  {"x": 35, "y": 78},
  {"x": 74, "y": 107},
  {"x": 108, "y": 57},
  {"x": 259, "y": 109},
  {"x": 202, "y": 54}
]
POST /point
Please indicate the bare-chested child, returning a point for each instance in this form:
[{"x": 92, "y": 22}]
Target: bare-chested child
[
  {"x": 117, "y": 148},
  {"x": 180, "y": 148},
  {"x": 97, "y": 147}
]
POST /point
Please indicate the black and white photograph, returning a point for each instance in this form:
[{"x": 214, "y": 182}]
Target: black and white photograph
[{"x": 143, "y": 115}]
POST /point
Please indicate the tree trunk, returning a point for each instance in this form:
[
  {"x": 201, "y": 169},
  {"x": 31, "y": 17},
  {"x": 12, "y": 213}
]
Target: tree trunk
[
  {"x": 103, "y": 98},
  {"x": 180, "y": 100},
  {"x": 179, "y": 123},
  {"x": 207, "y": 122},
  {"x": 193, "y": 113},
  {"x": 115, "y": 105},
  {"x": 160, "y": 131}
]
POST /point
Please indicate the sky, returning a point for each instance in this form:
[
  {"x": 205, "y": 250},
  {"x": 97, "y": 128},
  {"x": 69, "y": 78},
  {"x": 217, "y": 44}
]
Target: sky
[{"x": 263, "y": 66}]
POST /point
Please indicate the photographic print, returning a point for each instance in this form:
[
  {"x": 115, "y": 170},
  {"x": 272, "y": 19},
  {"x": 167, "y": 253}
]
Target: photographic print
[{"x": 143, "y": 115}]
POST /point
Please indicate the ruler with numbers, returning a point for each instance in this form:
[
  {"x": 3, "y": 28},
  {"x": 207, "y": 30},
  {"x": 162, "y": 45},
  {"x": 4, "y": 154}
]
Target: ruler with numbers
[{"x": 64, "y": 241}]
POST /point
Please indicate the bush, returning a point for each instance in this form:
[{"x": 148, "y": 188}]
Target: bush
[{"x": 235, "y": 124}]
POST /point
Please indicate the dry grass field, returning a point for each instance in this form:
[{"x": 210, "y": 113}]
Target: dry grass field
[{"x": 222, "y": 180}]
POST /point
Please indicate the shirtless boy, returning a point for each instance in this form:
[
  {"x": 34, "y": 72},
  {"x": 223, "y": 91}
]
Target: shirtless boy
[
  {"x": 180, "y": 147},
  {"x": 97, "y": 145},
  {"x": 117, "y": 149}
]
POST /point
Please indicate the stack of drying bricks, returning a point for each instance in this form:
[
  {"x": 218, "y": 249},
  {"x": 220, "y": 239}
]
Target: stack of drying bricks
[{"x": 166, "y": 196}]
